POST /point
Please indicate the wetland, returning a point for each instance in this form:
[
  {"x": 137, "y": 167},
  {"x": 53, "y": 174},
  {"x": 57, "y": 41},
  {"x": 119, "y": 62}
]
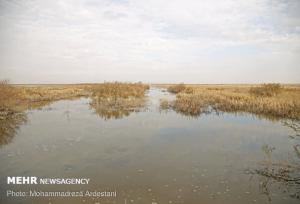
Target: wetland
[{"x": 151, "y": 145}]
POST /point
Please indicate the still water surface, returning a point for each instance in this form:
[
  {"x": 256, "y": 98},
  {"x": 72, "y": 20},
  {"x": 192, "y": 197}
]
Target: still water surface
[{"x": 151, "y": 156}]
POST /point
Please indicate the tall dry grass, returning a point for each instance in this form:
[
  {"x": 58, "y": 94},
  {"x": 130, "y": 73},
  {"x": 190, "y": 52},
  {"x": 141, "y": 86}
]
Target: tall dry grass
[
  {"x": 176, "y": 88},
  {"x": 24, "y": 97},
  {"x": 110, "y": 100},
  {"x": 9, "y": 96},
  {"x": 269, "y": 102},
  {"x": 11, "y": 117},
  {"x": 119, "y": 90},
  {"x": 116, "y": 100},
  {"x": 266, "y": 90}
]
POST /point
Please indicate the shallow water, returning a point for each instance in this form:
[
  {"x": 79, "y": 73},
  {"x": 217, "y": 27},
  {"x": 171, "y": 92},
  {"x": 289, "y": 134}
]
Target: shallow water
[{"x": 150, "y": 156}]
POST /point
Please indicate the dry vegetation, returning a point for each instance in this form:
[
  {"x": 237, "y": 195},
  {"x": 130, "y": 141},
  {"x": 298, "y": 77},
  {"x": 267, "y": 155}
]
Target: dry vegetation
[
  {"x": 110, "y": 100},
  {"x": 14, "y": 99},
  {"x": 268, "y": 100},
  {"x": 19, "y": 98},
  {"x": 119, "y": 90},
  {"x": 266, "y": 90},
  {"x": 116, "y": 100},
  {"x": 176, "y": 88}
]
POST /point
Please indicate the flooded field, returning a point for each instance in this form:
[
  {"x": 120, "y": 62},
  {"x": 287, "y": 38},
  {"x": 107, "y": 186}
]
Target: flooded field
[{"x": 154, "y": 156}]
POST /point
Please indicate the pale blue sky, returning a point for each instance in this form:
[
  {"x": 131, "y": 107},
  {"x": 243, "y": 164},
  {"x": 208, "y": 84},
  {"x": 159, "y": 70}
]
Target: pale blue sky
[{"x": 191, "y": 41}]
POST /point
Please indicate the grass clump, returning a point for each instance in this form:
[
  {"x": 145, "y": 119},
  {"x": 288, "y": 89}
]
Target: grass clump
[
  {"x": 177, "y": 88},
  {"x": 116, "y": 100},
  {"x": 164, "y": 104},
  {"x": 190, "y": 104},
  {"x": 119, "y": 90}
]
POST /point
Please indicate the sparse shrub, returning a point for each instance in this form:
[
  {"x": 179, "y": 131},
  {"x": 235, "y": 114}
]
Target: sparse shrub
[{"x": 266, "y": 90}]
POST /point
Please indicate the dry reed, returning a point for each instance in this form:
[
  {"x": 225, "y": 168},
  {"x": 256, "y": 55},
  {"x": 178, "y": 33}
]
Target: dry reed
[
  {"x": 273, "y": 102},
  {"x": 116, "y": 100},
  {"x": 110, "y": 100}
]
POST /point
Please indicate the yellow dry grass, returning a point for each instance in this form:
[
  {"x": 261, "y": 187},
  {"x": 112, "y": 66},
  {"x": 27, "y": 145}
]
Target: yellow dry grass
[
  {"x": 282, "y": 103},
  {"x": 119, "y": 90},
  {"x": 108, "y": 98},
  {"x": 176, "y": 88},
  {"x": 20, "y": 97},
  {"x": 116, "y": 100}
]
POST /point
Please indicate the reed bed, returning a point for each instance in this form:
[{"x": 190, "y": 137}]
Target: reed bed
[
  {"x": 266, "y": 90},
  {"x": 116, "y": 100},
  {"x": 279, "y": 102},
  {"x": 110, "y": 100},
  {"x": 23, "y": 97},
  {"x": 119, "y": 90},
  {"x": 176, "y": 88},
  {"x": 20, "y": 98},
  {"x": 11, "y": 116},
  {"x": 52, "y": 92},
  {"x": 9, "y": 96}
]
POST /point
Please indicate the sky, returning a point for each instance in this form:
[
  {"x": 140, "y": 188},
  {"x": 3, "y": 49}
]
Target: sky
[{"x": 154, "y": 41}]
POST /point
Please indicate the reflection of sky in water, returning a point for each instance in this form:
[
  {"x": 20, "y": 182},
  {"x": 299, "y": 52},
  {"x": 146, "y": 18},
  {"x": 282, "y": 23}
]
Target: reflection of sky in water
[{"x": 197, "y": 159}]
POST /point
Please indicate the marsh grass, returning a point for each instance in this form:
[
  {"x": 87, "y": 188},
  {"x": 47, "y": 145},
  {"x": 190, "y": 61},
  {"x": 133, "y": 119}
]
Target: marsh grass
[
  {"x": 164, "y": 104},
  {"x": 266, "y": 90},
  {"x": 116, "y": 90},
  {"x": 117, "y": 100},
  {"x": 24, "y": 97},
  {"x": 177, "y": 88},
  {"x": 271, "y": 101},
  {"x": 49, "y": 93},
  {"x": 11, "y": 116},
  {"x": 110, "y": 100},
  {"x": 9, "y": 96}
]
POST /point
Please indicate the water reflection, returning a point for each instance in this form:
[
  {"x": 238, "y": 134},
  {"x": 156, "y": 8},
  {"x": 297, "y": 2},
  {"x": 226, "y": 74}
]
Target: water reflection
[
  {"x": 293, "y": 125},
  {"x": 281, "y": 175},
  {"x": 273, "y": 175},
  {"x": 268, "y": 150},
  {"x": 118, "y": 108},
  {"x": 9, "y": 125},
  {"x": 199, "y": 160},
  {"x": 297, "y": 150}
]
